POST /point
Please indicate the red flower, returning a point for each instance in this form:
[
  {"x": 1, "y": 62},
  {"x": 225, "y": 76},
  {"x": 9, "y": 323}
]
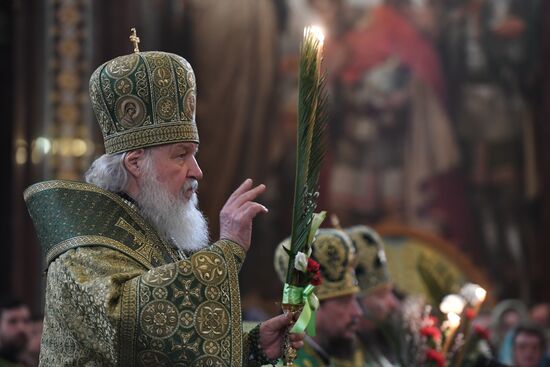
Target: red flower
[
  {"x": 435, "y": 356},
  {"x": 316, "y": 279},
  {"x": 470, "y": 313},
  {"x": 482, "y": 332},
  {"x": 312, "y": 266},
  {"x": 431, "y": 332}
]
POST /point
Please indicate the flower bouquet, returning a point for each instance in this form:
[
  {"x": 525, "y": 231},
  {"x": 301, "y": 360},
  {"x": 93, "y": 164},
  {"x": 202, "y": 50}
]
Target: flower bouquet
[{"x": 419, "y": 338}]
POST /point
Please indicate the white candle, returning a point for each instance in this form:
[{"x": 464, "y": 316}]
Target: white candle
[{"x": 453, "y": 322}]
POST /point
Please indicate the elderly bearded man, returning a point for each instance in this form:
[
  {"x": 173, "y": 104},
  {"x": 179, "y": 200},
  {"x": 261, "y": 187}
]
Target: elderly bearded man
[{"x": 132, "y": 279}]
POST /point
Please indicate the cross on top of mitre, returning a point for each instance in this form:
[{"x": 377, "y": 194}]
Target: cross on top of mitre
[{"x": 134, "y": 39}]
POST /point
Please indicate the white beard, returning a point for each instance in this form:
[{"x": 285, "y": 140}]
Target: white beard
[{"x": 177, "y": 220}]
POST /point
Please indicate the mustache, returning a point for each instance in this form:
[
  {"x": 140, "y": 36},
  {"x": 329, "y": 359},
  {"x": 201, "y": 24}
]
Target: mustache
[{"x": 192, "y": 184}]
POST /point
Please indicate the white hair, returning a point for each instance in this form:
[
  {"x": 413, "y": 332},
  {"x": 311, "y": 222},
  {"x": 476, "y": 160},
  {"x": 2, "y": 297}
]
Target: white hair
[{"x": 108, "y": 172}]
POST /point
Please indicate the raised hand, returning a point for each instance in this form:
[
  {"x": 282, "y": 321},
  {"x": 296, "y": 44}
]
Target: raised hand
[{"x": 238, "y": 212}]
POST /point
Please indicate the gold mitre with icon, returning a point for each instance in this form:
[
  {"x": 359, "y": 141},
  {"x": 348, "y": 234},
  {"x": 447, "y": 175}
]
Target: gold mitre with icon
[
  {"x": 372, "y": 266},
  {"x": 144, "y": 99},
  {"x": 334, "y": 251}
]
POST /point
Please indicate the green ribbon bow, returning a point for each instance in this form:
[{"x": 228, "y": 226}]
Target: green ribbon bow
[{"x": 296, "y": 296}]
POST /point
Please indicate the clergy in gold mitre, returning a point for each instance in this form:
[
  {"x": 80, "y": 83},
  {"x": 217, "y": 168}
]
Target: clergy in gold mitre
[
  {"x": 377, "y": 298},
  {"x": 338, "y": 314},
  {"x": 132, "y": 279}
]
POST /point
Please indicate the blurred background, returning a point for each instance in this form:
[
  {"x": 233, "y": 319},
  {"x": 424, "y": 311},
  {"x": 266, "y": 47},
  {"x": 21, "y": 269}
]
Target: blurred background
[{"x": 437, "y": 124}]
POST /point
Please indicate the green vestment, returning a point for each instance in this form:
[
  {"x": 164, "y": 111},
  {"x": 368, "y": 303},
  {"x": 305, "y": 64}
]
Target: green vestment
[
  {"x": 117, "y": 295},
  {"x": 375, "y": 358},
  {"x": 371, "y": 348},
  {"x": 309, "y": 356}
]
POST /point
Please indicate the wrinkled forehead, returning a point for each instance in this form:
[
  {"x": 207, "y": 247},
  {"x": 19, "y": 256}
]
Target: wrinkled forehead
[
  {"x": 180, "y": 147},
  {"x": 187, "y": 146}
]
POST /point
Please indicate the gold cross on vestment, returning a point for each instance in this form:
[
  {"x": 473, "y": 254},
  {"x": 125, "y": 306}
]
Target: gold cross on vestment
[
  {"x": 134, "y": 39},
  {"x": 145, "y": 246}
]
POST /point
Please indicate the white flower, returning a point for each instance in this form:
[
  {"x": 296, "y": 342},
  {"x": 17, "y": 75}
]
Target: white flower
[
  {"x": 473, "y": 294},
  {"x": 300, "y": 262},
  {"x": 452, "y": 303}
]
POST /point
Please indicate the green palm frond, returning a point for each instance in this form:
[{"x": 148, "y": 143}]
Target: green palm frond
[
  {"x": 312, "y": 120},
  {"x": 435, "y": 286}
]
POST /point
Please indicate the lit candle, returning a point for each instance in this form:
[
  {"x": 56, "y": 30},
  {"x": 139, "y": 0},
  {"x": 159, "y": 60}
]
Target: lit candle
[
  {"x": 480, "y": 295},
  {"x": 473, "y": 294},
  {"x": 317, "y": 33},
  {"x": 453, "y": 322}
]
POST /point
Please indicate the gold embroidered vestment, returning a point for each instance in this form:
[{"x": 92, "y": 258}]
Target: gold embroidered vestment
[{"x": 117, "y": 295}]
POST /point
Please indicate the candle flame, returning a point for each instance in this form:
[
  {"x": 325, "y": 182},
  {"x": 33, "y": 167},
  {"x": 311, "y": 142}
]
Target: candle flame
[
  {"x": 317, "y": 33},
  {"x": 481, "y": 294},
  {"x": 454, "y": 320}
]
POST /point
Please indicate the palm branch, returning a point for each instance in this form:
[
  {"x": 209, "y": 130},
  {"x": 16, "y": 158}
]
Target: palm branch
[{"x": 311, "y": 126}]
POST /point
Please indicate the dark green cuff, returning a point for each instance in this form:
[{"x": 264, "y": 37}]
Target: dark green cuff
[{"x": 257, "y": 356}]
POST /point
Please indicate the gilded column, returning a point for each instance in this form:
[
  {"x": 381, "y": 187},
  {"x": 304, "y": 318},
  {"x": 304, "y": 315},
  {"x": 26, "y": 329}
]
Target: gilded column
[{"x": 64, "y": 146}]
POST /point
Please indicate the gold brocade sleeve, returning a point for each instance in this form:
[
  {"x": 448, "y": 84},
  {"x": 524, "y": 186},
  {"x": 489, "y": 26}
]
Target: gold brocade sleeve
[
  {"x": 103, "y": 308},
  {"x": 186, "y": 312}
]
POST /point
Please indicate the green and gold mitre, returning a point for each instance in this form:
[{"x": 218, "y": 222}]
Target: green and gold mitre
[
  {"x": 333, "y": 250},
  {"x": 372, "y": 267},
  {"x": 144, "y": 99}
]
